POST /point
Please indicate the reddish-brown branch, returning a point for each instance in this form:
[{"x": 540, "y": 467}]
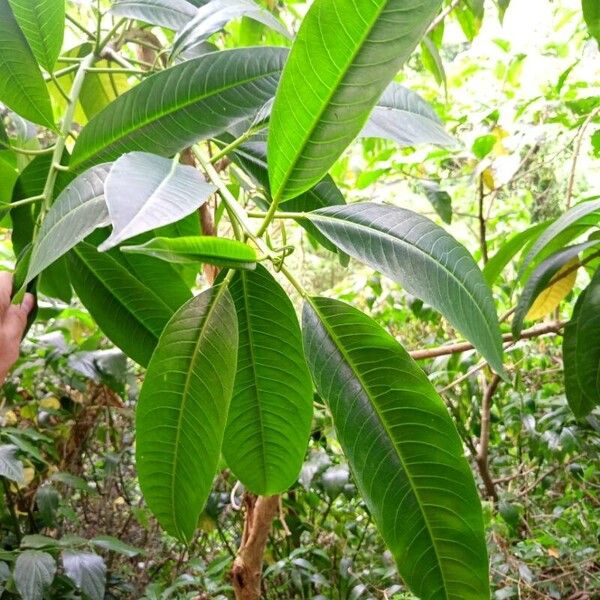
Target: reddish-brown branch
[
  {"x": 247, "y": 567},
  {"x": 484, "y": 438},
  {"x": 555, "y": 327}
]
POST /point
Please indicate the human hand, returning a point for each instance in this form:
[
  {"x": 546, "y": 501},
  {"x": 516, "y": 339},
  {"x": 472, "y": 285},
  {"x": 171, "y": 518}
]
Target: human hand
[{"x": 13, "y": 320}]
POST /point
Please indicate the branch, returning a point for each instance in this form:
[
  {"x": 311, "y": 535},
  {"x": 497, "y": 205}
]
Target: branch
[
  {"x": 442, "y": 16},
  {"x": 554, "y": 327},
  {"x": 484, "y": 438}
]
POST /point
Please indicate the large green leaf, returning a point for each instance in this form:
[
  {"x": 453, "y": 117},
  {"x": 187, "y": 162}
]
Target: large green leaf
[
  {"x": 214, "y": 15},
  {"x": 22, "y": 86},
  {"x": 182, "y": 409},
  {"x": 34, "y": 572},
  {"x": 541, "y": 278},
  {"x": 331, "y": 82},
  {"x": 172, "y": 14},
  {"x": 129, "y": 313},
  {"x": 221, "y": 252},
  {"x": 79, "y": 209},
  {"x": 271, "y": 409},
  {"x": 404, "y": 117},
  {"x": 425, "y": 259},
  {"x": 176, "y": 107},
  {"x": 404, "y": 451},
  {"x": 591, "y": 14},
  {"x": 144, "y": 192},
  {"x": 43, "y": 23},
  {"x": 581, "y": 352},
  {"x": 562, "y": 225},
  {"x": 167, "y": 281}
]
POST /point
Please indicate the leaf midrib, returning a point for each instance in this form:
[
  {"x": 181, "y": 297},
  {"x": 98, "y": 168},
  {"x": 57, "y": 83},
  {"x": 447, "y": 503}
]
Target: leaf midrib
[
  {"x": 387, "y": 235},
  {"x": 329, "y": 97},
  {"x": 185, "y": 395},
  {"x": 365, "y": 389},
  {"x": 255, "y": 386}
]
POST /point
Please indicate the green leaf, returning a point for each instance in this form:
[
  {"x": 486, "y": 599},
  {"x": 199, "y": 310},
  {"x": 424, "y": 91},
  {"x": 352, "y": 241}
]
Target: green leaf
[
  {"x": 403, "y": 448},
  {"x": 107, "y": 542},
  {"x": 214, "y": 15},
  {"x": 556, "y": 229},
  {"x": 78, "y": 210},
  {"x": 144, "y": 191},
  {"x": 405, "y": 118},
  {"x": 483, "y": 145},
  {"x": 43, "y": 23},
  {"x": 440, "y": 200},
  {"x": 221, "y": 252},
  {"x": 181, "y": 105},
  {"x": 331, "y": 82},
  {"x": 509, "y": 249},
  {"x": 87, "y": 571},
  {"x": 432, "y": 61},
  {"x": 172, "y": 14},
  {"x": 54, "y": 281},
  {"x": 129, "y": 313},
  {"x": 182, "y": 410},
  {"x": 10, "y": 466},
  {"x": 591, "y": 15},
  {"x": 22, "y": 87},
  {"x": 34, "y": 572},
  {"x": 541, "y": 278},
  {"x": 271, "y": 409},
  {"x": 428, "y": 262},
  {"x": 581, "y": 352}
]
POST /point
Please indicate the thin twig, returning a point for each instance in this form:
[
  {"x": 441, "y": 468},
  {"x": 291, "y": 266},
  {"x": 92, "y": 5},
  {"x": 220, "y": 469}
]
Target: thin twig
[{"x": 576, "y": 153}]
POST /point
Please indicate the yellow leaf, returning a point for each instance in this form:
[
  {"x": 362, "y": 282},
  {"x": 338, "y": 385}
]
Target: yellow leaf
[
  {"x": 553, "y": 295},
  {"x": 50, "y": 403},
  {"x": 10, "y": 418},
  {"x": 553, "y": 552},
  {"x": 488, "y": 179},
  {"x": 29, "y": 474}
]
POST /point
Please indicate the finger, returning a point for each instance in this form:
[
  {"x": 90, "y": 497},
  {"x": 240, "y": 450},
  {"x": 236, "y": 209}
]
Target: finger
[
  {"x": 15, "y": 319},
  {"x": 5, "y": 291}
]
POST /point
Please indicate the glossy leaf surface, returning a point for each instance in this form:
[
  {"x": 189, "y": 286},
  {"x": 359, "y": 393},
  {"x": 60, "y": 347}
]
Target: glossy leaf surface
[
  {"x": 214, "y": 15},
  {"x": 404, "y": 450},
  {"x": 78, "y": 210},
  {"x": 221, "y": 252},
  {"x": 331, "y": 82},
  {"x": 144, "y": 192},
  {"x": 182, "y": 410},
  {"x": 129, "y": 313},
  {"x": 581, "y": 352},
  {"x": 427, "y": 261},
  {"x": 271, "y": 409},
  {"x": 178, "y": 106},
  {"x": 172, "y": 14},
  {"x": 43, "y": 23},
  {"x": 22, "y": 86},
  {"x": 402, "y": 116}
]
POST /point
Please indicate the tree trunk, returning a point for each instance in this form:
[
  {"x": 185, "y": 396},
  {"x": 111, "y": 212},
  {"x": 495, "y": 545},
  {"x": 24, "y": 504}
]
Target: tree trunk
[{"x": 246, "y": 572}]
